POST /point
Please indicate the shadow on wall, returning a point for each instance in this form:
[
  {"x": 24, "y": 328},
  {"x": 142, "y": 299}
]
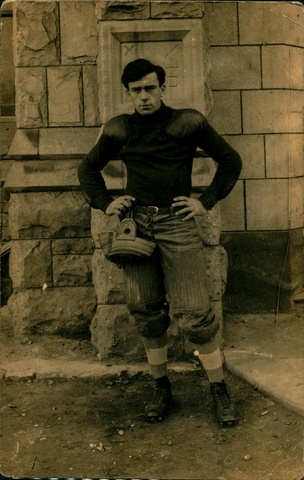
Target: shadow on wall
[{"x": 6, "y": 282}]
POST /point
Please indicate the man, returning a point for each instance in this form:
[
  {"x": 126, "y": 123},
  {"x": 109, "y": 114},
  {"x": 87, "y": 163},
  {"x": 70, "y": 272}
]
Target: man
[{"x": 158, "y": 144}]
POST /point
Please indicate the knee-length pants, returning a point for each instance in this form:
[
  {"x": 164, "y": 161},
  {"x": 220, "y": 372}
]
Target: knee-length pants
[{"x": 172, "y": 282}]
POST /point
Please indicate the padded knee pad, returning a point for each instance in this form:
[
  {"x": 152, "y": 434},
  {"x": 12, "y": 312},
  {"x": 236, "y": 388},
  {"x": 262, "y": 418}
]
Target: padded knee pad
[
  {"x": 199, "y": 327},
  {"x": 152, "y": 319}
]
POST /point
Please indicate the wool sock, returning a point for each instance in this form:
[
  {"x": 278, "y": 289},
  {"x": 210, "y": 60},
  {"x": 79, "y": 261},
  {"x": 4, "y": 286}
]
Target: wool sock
[
  {"x": 157, "y": 355},
  {"x": 210, "y": 357}
]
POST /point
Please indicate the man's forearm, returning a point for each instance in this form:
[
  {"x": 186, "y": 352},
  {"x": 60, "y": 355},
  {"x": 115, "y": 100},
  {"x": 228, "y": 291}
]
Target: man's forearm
[
  {"x": 228, "y": 171},
  {"x": 92, "y": 183}
]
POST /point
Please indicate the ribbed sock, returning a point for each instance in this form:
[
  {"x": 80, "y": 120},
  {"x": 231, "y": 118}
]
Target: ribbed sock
[
  {"x": 210, "y": 357},
  {"x": 157, "y": 355}
]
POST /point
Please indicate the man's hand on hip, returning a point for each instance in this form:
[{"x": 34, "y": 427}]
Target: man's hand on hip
[
  {"x": 192, "y": 206},
  {"x": 120, "y": 205}
]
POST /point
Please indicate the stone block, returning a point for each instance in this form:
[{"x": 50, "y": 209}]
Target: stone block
[
  {"x": 65, "y": 310},
  {"x": 226, "y": 114},
  {"x": 176, "y": 9},
  {"x": 78, "y": 32},
  {"x": 66, "y": 142},
  {"x": 5, "y": 234},
  {"x": 108, "y": 280},
  {"x": 37, "y": 175},
  {"x": 31, "y": 103},
  {"x": 4, "y": 201},
  {"x": 69, "y": 270},
  {"x": 65, "y": 101},
  {"x": 232, "y": 209},
  {"x": 49, "y": 215},
  {"x": 272, "y": 111},
  {"x": 216, "y": 271},
  {"x": 203, "y": 171},
  {"x": 268, "y": 204},
  {"x": 278, "y": 22},
  {"x": 91, "y": 96},
  {"x": 4, "y": 170},
  {"x": 235, "y": 68},
  {"x": 69, "y": 246},
  {"x": 284, "y": 155},
  {"x": 209, "y": 226},
  {"x": 220, "y": 20},
  {"x": 283, "y": 67},
  {"x": 4, "y": 194},
  {"x": 122, "y": 10},
  {"x": 36, "y": 33},
  {"x": 31, "y": 263},
  {"x": 25, "y": 144},
  {"x": 7, "y": 67},
  {"x": 251, "y": 150},
  {"x": 7, "y": 127},
  {"x": 217, "y": 308},
  {"x": 113, "y": 332},
  {"x": 4, "y": 220},
  {"x": 265, "y": 271},
  {"x": 296, "y": 196}
]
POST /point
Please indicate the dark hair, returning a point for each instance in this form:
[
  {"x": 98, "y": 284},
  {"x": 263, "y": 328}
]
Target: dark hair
[{"x": 138, "y": 69}]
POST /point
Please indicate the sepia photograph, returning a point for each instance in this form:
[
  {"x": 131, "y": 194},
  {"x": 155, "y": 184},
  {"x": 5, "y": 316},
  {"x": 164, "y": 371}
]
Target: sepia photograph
[{"x": 152, "y": 260}]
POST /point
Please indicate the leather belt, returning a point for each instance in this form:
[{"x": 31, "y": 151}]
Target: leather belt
[{"x": 153, "y": 211}]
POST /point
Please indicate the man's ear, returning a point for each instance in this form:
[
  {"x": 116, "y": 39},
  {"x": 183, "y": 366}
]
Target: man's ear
[
  {"x": 128, "y": 93},
  {"x": 163, "y": 89}
]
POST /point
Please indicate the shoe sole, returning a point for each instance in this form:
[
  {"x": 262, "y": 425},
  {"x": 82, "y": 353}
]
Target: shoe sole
[
  {"x": 155, "y": 418},
  {"x": 229, "y": 422}
]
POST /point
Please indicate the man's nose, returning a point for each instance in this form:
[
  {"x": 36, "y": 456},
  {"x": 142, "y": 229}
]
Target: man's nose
[{"x": 143, "y": 94}]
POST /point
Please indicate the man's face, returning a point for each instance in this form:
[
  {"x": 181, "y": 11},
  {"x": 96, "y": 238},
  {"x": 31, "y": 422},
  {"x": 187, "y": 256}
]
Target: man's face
[{"x": 145, "y": 94}]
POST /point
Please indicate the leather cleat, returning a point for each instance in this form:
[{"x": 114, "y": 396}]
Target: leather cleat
[
  {"x": 161, "y": 404},
  {"x": 224, "y": 406}
]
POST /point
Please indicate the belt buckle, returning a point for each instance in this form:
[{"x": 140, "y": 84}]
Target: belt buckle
[{"x": 152, "y": 211}]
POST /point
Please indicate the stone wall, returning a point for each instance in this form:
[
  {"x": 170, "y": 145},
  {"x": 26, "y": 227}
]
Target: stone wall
[
  {"x": 51, "y": 250},
  {"x": 256, "y": 52},
  {"x": 252, "y": 64},
  {"x": 59, "y": 110}
]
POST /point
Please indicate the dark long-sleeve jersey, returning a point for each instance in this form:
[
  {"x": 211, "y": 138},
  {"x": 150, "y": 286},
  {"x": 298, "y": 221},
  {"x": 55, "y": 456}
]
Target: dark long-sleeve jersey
[{"x": 158, "y": 152}]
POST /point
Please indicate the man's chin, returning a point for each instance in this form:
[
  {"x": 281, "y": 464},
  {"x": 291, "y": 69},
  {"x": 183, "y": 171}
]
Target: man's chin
[{"x": 145, "y": 111}]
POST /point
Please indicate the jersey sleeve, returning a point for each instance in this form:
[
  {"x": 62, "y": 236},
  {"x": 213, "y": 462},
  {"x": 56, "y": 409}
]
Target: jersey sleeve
[
  {"x": 192, "y": 126},
  {"x": 90, "y": 177},
  {"x": 228, "y": 160}
]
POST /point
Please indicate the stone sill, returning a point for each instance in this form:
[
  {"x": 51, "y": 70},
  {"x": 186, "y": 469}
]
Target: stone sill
[
  {"x": 59, "y": 175},
  {"x": 54, "y": 175},
  {"x": 56, "y": 143},
  {"x": 47, "y": 143}
]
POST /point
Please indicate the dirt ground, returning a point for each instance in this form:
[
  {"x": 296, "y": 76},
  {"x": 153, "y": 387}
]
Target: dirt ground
[
  {"x": 80, "y": 428},
  {"x": 94, "y": 428}
]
